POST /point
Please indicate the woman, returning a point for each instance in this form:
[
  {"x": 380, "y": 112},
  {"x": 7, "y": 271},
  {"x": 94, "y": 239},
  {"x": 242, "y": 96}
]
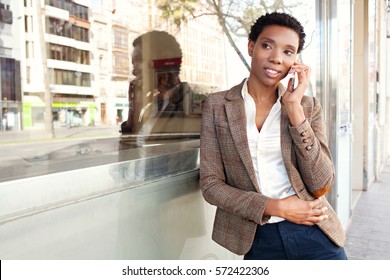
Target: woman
[{"x": 265, "y": 162}]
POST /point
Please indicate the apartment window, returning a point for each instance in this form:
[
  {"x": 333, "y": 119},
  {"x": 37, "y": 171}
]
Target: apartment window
[
  {"x": 71, "y": 78},
  {"x": 61, "y": 4},
  {"x": 5, "y": 13},
  {"x": 121, "y": 63},
  {"x": 28, "y": 74},
  {"x": 29, "y": 49},
  {"x": 26, "y": 24},
  {"x": 80, "y": 34},
  {"x": 55, "y": 52},
  {"x": 64, "y": 28},
  {"x": 4, "y": 6},
  {"x": 67, "y": 77},
  {"x": 121, "y": 38},
  {"x": 68, "y": 29},
  {"x": 66, "y": 53},
  {"x": 57, "y": 27},
  {"x": 84, "y": 57},
  {"x": 8, "y": 78},
  {"x": 79, "y": 11}
]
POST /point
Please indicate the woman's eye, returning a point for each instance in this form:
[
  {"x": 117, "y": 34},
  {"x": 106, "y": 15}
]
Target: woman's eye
[
  {"x": 288, "y": 52},
  {"x": 266, "y": 46}
]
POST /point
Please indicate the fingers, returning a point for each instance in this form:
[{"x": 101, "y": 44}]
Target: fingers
[
  {"x": 303, "y": 212},
  {"x": 302, "y": 74},
  {"x": 312, "y": 220},
  {"x": 317, "y": 212},
  {"x": 320, "y": 213},
  {"x": 302, "y": 70},
  {"x": 298, "y": 67},
  {"x": 317, "y": 209}
]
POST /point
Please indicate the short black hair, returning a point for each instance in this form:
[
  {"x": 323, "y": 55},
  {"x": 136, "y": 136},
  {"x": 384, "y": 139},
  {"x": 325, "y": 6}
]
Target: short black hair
[
  {"x": 281, "y": 19},
  {"x": 159, "y": 40}
]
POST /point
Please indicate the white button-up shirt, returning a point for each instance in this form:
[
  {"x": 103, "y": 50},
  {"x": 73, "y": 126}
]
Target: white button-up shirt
[{"x": 266, "y": 151}]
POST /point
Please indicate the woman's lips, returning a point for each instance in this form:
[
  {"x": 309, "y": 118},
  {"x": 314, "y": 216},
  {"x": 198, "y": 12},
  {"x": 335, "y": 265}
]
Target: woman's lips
[{"x": 272, "y": 73}]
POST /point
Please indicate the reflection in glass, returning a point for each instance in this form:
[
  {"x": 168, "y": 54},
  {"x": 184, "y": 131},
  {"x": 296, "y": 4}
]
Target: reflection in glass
[
  {"x": 110, "y": 69},
  {"x": 159, "y": 102}
]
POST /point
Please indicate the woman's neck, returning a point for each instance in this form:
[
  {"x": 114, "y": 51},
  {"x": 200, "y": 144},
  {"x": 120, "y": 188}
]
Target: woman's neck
[{"x": 263, "y": 94}]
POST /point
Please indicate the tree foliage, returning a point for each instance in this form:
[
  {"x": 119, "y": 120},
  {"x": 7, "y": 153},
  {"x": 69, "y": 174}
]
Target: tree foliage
[{"x": 177, "y": 11}]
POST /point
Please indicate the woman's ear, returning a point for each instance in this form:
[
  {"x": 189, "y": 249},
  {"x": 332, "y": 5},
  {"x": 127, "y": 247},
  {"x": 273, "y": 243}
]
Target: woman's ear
[{"x": 250, "y": 47}]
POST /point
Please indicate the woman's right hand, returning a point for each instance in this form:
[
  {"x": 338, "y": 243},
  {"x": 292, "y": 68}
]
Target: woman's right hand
[{"x": 296, "y": 210}]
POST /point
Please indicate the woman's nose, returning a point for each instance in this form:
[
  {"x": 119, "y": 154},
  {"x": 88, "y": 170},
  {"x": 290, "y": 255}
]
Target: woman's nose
[{"x": 275, "y": 57}]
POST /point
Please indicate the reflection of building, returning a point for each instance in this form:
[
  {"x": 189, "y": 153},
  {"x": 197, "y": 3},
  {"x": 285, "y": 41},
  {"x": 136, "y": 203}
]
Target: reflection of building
[
  {"x": 113, "y": 24},
  {"x": 203, "y": 64},
  {"x": 10, "y": 92},
  {"x": 67, "y": 44},
  {"x": 88, "y": 50}
]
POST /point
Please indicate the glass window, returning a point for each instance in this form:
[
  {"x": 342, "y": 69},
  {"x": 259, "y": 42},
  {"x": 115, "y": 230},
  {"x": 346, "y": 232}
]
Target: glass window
[
  {"x": 153, "y": 71},
  {"x": 121, "y": 38},
  {"x": 121, "y": 63},
  {"x": 86, "y": 79},
  {"x": 8, "y": 79}
]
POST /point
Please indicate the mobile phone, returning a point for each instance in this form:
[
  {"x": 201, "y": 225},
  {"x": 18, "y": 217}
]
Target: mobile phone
[{"x": 291, "y": 76}]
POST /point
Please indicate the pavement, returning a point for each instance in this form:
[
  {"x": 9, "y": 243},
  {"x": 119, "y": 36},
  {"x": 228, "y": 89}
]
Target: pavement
[{"x": 368, "y": 235}]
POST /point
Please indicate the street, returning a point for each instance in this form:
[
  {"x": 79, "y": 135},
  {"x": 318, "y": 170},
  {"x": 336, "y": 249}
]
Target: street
[{"x": 27, "y": 153}]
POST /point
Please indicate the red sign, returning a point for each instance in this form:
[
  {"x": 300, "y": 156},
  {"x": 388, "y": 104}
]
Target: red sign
[{"x": 168, "y": 62}]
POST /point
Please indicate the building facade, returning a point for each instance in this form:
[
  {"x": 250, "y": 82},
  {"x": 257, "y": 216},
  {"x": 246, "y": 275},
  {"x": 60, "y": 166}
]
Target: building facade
[
  {"x": 57, "y": 53},
  {"x": 10, "y": 59}
]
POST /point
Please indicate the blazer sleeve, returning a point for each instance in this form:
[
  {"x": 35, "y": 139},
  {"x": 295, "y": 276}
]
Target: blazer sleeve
[
  {"x": 314, "y": 159},
  {"x": 249, "y": 205}
]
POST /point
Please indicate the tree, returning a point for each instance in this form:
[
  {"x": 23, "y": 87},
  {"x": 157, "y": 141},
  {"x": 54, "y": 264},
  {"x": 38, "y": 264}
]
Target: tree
[
  {"x": 234, "y": 16},
  {"x": 49, "y": 128}
]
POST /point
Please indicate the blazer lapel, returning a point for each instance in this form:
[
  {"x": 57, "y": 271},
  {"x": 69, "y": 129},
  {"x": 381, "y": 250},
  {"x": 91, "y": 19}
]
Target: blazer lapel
[{"x": 235, "y": 112}]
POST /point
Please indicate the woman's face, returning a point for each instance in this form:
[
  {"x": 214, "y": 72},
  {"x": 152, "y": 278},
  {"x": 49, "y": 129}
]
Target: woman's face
[{"x": 273, "y": 53}]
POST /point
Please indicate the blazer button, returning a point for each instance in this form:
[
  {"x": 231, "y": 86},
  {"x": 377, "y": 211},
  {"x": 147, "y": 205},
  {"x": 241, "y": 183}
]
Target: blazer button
[
  {"x": 305, "y": 140},
  {"x": 309, "y": 147},
  {"x": 303, "y": 134}
]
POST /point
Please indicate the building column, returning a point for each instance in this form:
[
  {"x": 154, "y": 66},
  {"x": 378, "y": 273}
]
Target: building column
[{"x": 359, "y": 89}]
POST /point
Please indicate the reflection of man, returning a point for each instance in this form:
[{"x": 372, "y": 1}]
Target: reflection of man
[
  {"x": 160, "y": 92},
  {"x": 177, "y": 93},
  {"x": 156, "y": 55}
]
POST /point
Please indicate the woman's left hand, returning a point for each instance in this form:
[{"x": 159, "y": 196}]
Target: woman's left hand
[{"x": 293, "y": 96}]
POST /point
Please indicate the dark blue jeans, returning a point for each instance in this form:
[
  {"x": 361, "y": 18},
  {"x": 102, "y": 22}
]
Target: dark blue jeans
[{"x": 289, "y": 241}]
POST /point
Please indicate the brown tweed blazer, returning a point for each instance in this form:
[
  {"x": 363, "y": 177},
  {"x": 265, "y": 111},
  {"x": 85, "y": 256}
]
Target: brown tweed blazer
[{"x": 228, "y": 179}]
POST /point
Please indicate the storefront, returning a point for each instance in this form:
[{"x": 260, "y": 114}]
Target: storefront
[{"x": 65, "y": 114}]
